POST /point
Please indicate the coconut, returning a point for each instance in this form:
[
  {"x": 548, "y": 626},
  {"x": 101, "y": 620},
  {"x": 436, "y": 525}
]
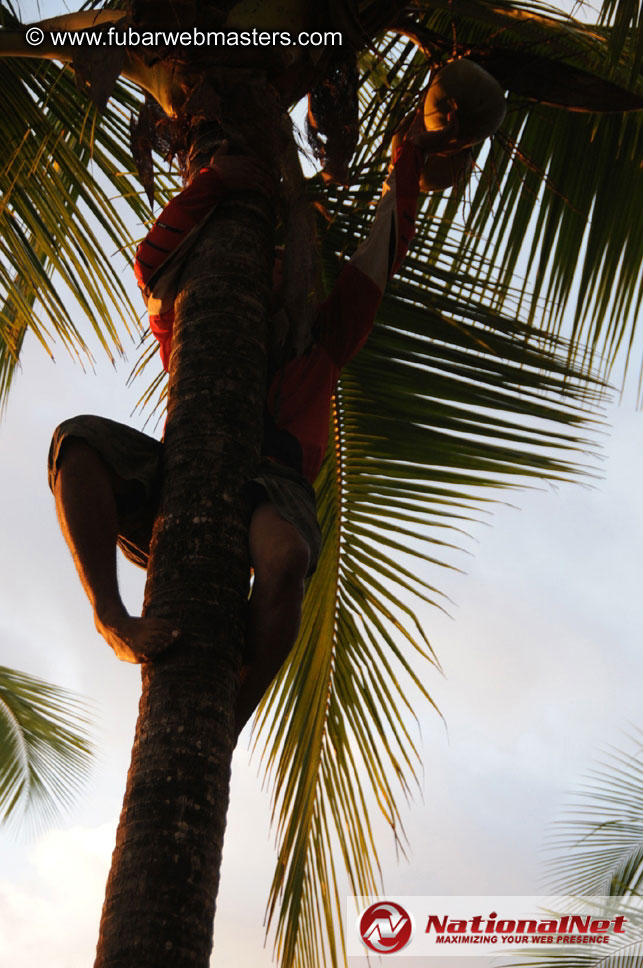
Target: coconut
[
  {"x": 442, "y": 171},
  {"x": 476, "y": 97}
]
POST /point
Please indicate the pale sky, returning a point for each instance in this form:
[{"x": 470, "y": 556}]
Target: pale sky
[{"x": 542, "y": 666}]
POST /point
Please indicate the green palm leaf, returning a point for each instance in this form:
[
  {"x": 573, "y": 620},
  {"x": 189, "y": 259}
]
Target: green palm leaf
[
  {"x": 552, "y": 197},
  {"x": 599, "y": 848},
  {"x": 45, "y": 750},
  {"x": 62, "y": 167},
  {"x": 49, "y": 147},
  {"x": 427, "y": 418},
  {"x": 624, "y": 18},
  {"x": 598, "y": 851}
]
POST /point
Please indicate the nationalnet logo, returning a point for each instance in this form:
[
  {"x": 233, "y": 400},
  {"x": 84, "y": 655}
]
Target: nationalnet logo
[
  {"x": 386, "y": 927},
  {"x": 443, "y": 926}
]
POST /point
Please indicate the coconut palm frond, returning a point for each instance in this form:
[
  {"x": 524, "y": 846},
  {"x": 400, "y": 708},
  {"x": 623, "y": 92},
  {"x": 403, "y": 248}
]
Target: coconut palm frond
[
  {"x": 579, "y": 247},
  {"x": 598, "y": 848},
  {"x": 550, "y": 199},
  {"x": 336, "y": 735},
  {"x": 622, "y": 953},
  {"x": 12, "y": 336},
  {"x": 154, "y": 396},
  {"x": 51, "y": 201},
  {"x": 578, "y": 33},
  {"x": 46, "y": 753},
  {"x": 598, "y": 851},
  {"x": 62, "y": 164},
  {"x": 427, "y": 418},
  {"x": 625, "y": 20}
]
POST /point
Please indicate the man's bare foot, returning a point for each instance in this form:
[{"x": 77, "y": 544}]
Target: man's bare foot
[{"x": 137, "y": 639}]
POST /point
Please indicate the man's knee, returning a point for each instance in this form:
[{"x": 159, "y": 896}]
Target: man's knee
[
  {"x": 280, "y": 555},
  {"x": 75, "y": 450},
  {"x": 285, "y": 566},
  {"x": 79, "y": 461},
  {"x": 75, "y": 456}
]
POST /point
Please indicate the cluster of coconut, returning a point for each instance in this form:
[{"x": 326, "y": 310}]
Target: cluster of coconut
[{"x": 478, "y": 101}]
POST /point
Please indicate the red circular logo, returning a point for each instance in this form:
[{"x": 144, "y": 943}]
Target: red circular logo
[{"x": 385, "y": 927}]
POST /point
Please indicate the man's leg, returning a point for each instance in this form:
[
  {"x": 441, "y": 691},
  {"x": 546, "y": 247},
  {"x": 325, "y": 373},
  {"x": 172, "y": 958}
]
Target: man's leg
[
  {"x": 280, "y": 557},
  {"x": 86, "y": 503}
]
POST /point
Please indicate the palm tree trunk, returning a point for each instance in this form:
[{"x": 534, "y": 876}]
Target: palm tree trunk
[{"x": 161, "y": 891}]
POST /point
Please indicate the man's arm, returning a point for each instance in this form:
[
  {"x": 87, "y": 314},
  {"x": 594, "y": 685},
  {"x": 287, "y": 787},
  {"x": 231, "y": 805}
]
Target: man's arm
[{"x": 347, "y": 316}]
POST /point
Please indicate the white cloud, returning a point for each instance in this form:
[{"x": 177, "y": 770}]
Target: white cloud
[
  {"x": 50, "y": 913},
  {"x": 51, "y": 905}
]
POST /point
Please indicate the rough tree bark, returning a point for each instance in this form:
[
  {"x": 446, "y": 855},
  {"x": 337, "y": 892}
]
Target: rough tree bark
[{"x": 161, "y": 891}]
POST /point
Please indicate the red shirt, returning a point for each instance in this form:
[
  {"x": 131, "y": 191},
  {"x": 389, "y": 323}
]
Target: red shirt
[{"x": 300, "y": 394}]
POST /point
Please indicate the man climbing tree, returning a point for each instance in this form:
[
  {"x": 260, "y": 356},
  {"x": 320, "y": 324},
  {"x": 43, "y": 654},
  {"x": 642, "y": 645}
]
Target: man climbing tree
[
  {"x": 161, "y": 892},
  {"x": 106, "y": 477}
]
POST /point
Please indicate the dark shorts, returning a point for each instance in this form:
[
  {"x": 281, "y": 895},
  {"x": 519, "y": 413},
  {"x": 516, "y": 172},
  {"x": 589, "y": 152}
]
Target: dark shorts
[{"x": 137, "y": 460}]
